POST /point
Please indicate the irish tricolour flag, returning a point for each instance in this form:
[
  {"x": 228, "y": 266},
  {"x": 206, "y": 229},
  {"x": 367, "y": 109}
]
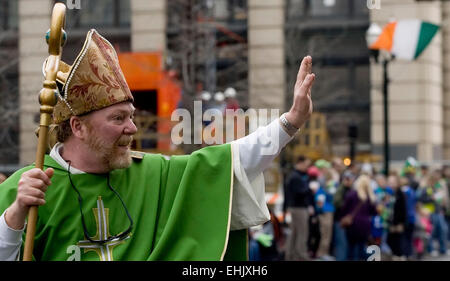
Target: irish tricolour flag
[{"x": 406, "y": 39}]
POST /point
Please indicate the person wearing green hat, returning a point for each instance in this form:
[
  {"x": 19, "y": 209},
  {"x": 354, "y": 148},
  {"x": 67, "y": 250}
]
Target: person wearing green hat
[
  {"x": 325, "y": 207},
  {"x": 409, "y": 171},
  {"x": 322, "y": 163}
]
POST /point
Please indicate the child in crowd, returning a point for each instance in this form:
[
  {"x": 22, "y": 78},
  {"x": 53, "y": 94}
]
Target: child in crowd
[
  {"x": 377, "y": 227},
  {"x": 422, "y": 230}
]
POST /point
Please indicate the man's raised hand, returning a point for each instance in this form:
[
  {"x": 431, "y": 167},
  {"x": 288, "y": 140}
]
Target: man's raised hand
[{"x": 302, "y": 106}]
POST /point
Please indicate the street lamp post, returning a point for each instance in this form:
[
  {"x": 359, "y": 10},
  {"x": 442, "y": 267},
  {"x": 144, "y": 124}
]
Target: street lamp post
[
  {"x": 371, "y": 36},
  {"x": 386, "y": 115}
]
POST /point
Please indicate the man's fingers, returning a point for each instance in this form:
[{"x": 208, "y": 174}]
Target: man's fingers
[
  {"x": 49, "y": 172},
  {"x": 308, "y": 64},
  {"x": 307, "y": 84},
  {"x": 33, "y": 201},
  {"x": 34, "y": 192},
  {"x": 38, "y": 183},
  {"x": 39, "y": 174},
  {"x": 305, "y": 69}
]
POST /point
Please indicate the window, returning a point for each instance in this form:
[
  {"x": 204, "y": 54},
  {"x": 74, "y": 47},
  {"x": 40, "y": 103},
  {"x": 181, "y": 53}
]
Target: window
[
  {"x": 360, "y": 8},
  {"x": 103, "y": 13},
  {"x": 307, "y": 124},
  {"x": 221, "y": 9},
  {"x": 295, "y": 8},
  {"x": 8, "y": 14},
  {"x": 229, "y": 10},
  {"x": 318, "y": 123},
  {"x": 329, "y": 7},
  {"x": 98, "y": 13},
  {"x": 326, "y": 8},
  {"x": 125, "y": 12},
  {"x": 306, "y": 139},
  {"x": 317, "y": 142}
]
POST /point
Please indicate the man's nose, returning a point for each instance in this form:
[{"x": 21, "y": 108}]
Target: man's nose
[{"x": 131, "y": 128}]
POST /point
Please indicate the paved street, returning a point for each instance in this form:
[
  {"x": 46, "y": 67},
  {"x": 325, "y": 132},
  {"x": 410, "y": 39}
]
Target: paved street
[{"x": 438, "y": 258}]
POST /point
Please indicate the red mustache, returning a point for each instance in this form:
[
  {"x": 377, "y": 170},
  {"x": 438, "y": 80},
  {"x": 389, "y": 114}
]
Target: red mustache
[{"x": 125, "y": 140}]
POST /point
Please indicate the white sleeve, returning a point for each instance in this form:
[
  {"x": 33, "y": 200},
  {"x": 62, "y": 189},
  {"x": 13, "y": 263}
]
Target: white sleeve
[
  {"x": 251, "y": 156},
  {"x": 10, "y": 241}
]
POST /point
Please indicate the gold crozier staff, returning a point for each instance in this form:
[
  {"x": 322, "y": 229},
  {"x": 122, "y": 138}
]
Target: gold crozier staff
[{"x": 47, "y": 98}]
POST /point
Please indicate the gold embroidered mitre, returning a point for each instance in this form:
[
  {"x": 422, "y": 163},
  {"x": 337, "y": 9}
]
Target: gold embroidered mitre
[{"x": 93, "y": 82}]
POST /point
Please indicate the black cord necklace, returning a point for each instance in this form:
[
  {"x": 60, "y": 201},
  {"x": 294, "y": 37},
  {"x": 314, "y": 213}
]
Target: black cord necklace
[{"x": 119, "y": 236}]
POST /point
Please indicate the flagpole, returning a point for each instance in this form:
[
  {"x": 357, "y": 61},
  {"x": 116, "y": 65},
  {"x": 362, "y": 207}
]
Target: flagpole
[{"x": 47, "y": 100}]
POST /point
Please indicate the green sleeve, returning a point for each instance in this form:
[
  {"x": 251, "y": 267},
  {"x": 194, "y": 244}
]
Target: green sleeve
[
  {"x": 8, "y": 189},
  {"x": 8, "y": 192}
]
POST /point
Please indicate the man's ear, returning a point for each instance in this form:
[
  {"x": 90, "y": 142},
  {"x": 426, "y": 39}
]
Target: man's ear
[{"x": 78, "y": 126}]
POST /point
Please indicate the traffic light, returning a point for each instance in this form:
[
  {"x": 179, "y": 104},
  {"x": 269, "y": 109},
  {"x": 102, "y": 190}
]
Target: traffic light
[
  {"x": 352, "y": 131},
  {"x": 352, "y": 135}
]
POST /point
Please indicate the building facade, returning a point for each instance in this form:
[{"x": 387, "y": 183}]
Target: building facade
[{"x": 264, "y": 40}]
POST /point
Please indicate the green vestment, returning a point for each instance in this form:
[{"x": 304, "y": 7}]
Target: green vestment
[{"x": 180, "y": 207}]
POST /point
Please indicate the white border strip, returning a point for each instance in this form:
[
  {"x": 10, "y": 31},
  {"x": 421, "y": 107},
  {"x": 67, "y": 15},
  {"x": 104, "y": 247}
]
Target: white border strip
[{"x": 229, "y": 207}]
